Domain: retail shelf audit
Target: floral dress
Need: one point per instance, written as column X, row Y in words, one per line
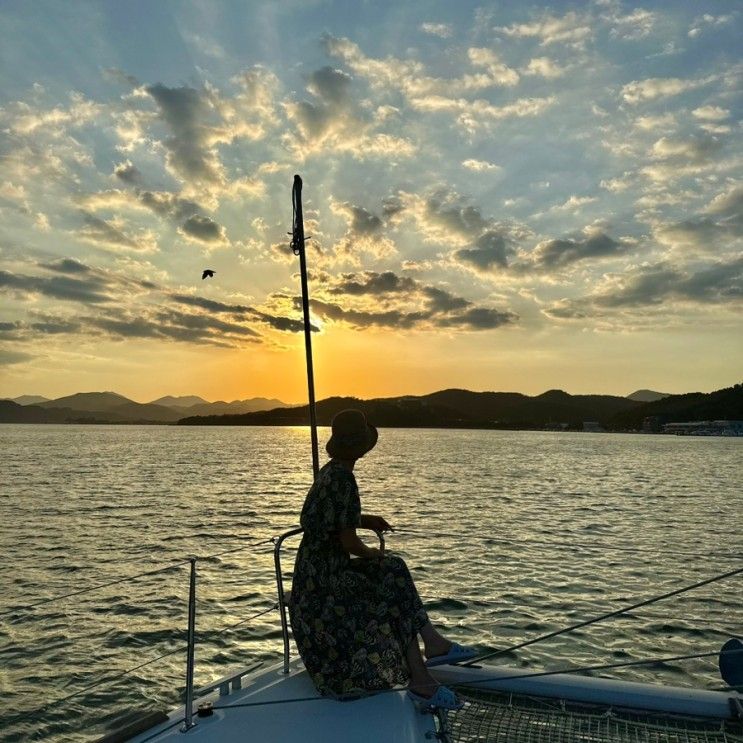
column 352, row 618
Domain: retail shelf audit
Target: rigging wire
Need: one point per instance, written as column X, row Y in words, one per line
column 122, row 674
column 537, row 674
column 143, row 574
column 608, row 615
column 567, row 545
column 108, row 679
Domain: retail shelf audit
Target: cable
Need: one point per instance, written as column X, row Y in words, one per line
column 606, row 616
column 584, row 545
column 247, row 619
column 132, row 577
column 23, row 715
column 649, row 661
column 94, row 588
column 121, row 675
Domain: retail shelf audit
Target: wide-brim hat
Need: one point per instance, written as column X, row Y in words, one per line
column 352, row 435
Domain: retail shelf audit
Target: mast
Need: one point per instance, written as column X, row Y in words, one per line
column 297, row 245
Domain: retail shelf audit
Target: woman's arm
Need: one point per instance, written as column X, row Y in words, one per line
column 378, row 523
column 354, row 546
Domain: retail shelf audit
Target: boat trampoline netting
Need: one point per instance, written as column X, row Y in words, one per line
column 493, row 717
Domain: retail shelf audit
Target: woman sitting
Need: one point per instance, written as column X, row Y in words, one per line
column 356, row 622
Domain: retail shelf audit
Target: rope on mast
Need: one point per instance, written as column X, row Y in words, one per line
column 297, row 245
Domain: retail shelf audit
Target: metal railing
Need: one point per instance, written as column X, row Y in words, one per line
column 278, row 541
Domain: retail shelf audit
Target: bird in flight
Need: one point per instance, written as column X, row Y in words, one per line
column 207, row 272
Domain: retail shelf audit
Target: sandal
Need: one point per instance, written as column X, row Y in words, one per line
column 457, row 654
column 443, row 698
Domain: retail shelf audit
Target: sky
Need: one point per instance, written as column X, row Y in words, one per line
column 500, row 196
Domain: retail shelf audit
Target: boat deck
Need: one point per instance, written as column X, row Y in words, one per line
column 268, row 705
column 263, row 710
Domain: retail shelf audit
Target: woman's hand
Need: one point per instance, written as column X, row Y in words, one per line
column 378, row 523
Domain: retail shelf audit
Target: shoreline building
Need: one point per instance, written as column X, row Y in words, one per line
column 705, row 428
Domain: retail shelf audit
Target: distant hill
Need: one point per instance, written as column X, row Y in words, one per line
column 220, row 407
column 185, row 401
column 146, row 413
column 90, row 401
column 110, row 407
column 446, row 409
column 724, row 404
column 12, row 412
column 29, row 399
column 647, row 396
column 452, row 408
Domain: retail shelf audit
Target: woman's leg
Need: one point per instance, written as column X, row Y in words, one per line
column 421, row 681
column 434, row 642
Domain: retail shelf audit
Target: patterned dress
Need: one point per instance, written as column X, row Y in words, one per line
column 352, row 618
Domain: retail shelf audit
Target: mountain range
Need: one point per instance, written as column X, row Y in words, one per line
column 452, row 408
column 110, row 407
column 555, row 409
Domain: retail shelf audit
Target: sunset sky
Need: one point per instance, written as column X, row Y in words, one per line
column 501, row 196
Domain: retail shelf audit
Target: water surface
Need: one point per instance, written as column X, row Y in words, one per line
column 509, row 535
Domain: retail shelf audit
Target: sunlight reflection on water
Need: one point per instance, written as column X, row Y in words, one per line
column 508, row 534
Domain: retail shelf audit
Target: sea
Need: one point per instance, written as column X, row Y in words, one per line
column 509, row 535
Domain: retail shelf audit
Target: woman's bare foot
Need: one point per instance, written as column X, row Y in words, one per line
column 439, row 646
column 424, row 685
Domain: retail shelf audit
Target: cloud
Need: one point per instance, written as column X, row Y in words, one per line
column 333, row 121
column 89, row 291
column 185, row 213
column 12, row 192
column 191, row 154
column 201, row 119
column 473, row 318
column 718, row 226
column 689, row 148
column 127, row 172
column 677, row 157
column 480, row 166
column 409, row 76
column 711, row 113
column 544, row 67
column 164, row 323
column 497, row 73
column 204, row 230
column 659, row 121
column 473, row 115
column 389, row 300
column 574, row 203
column 372, row 283
column 491, row 249
column 475, row 242
column 635, row 25
column 442, row 30
column 277, row 322
column 166, row 204
column 617, row 185
column 9, row 356
column 365, row 232
column 77, row 283
column 66, row 265
column 639, row 91
column 707, row 21
column 426, row 93
column 659, row 285
column 551, row 255
column 26, row 119
column 111, row 236
column 570, row 29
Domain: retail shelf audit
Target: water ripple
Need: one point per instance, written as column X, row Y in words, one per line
column 511, row 535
